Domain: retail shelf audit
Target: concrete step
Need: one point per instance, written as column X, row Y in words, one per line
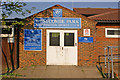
column 59, row 72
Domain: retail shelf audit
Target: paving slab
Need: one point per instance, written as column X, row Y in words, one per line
column 58, row 72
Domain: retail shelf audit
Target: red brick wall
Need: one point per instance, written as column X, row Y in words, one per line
column 28, row 58
column 102, row 42
column 86, row 55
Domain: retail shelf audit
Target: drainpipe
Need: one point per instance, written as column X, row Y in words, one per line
column 17, row 56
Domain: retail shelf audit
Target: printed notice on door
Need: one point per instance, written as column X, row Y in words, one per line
column 32, row 39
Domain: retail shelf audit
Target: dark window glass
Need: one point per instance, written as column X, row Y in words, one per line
column 54, row 39
column 118, row 32
column 68, row 39
column 110, row 32
column 113, row 32
column 5, row 30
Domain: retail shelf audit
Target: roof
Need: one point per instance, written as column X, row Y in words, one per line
column 92, row 10
column 100, row 14
column 111, row 15
column 59, row 6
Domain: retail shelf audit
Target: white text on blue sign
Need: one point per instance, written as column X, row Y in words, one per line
column 57, row 22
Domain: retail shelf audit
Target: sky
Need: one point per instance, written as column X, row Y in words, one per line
column 65, row 0
column 70, row 5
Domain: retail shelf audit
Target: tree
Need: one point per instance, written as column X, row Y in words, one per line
column 7, row 9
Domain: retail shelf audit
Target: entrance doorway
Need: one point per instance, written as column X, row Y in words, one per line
column 61, row 47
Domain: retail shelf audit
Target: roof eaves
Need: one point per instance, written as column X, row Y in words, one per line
column 103, row 14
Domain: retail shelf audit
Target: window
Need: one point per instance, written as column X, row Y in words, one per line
column 5, row 30
column 112, row 32
column 54, row 39
column 68, row 39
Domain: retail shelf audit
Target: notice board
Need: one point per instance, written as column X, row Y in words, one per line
column 32, row 39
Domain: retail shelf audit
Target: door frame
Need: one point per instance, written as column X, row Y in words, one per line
column 47, row 42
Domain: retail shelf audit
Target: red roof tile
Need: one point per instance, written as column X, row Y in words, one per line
column 92, row 10
column 111, row 15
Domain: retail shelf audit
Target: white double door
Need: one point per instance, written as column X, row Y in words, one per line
column 61, row 47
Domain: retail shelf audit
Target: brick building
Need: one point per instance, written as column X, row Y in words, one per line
column 47, row 38
column 60, row 45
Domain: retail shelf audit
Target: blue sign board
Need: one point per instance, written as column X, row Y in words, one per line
column 86, row 39
column 32, row 39
column 57, row 23
column 57, row 12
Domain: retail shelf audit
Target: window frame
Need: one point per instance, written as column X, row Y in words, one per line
column 50, row 38
column 111, row 36
column 8, row 35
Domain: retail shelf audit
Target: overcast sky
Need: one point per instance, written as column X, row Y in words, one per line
column 70, row 5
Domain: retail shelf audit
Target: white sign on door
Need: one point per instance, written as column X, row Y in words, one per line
column 86, row 32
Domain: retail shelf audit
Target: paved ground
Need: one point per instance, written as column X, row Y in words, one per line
column 58, row 72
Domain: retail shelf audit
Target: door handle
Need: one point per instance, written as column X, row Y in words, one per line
column 75, row 44
column 62, row 48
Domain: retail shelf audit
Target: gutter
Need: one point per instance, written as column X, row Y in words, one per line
column 108, row 21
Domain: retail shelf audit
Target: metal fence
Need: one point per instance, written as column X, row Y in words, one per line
column 110, row 58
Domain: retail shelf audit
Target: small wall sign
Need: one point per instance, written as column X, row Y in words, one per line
column 32, row 39
column 86, row 39
column 57, row 12
column 86, row 32
column 10, row 40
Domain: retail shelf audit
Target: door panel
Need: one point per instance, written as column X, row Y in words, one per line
column 54, row 52
column 70, row 47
